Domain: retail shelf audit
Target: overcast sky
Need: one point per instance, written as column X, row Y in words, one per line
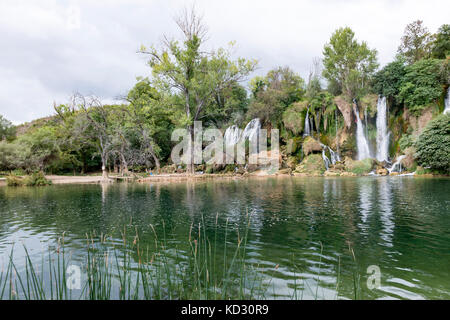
column 50, row 49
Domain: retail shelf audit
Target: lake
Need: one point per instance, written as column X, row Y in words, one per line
column 322, row 237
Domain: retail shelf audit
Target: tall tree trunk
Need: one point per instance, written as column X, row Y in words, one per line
column 191, row 165
column 104, row 170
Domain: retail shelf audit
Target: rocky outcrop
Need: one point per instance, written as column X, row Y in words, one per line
column 346, row 109
column 311, row 145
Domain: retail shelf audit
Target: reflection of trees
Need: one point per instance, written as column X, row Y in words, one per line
column 290, row 218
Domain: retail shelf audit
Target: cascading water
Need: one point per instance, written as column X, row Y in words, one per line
column 307, row 130
column 333, row 155
column 326, row 161
column 447, row 102
column 397, row 166
column 361, row 140
column 232, row 135
column 382, row 131
column 251, row 130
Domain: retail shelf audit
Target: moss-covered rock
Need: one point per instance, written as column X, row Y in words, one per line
column 359, row 167
column 311, row 165
column 311, row 145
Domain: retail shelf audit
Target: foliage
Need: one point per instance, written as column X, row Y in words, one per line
column 37, row 179
column 387, row 81
column 279, row 89
column 7, row 130
column 433, row 145
column 348, row 64
column 441, row 45
column 14, row 181
column 406, row 141
column 415, row 42
column 293, row 117
column 422, row 83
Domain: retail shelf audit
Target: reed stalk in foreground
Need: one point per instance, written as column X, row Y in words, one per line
column 131, row 272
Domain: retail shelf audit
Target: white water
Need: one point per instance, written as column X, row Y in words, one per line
column 382, row 131
column 361, row 140
column 447, row 102
column 251, row 130
column 307, row 130
column 334, row 156
column 232, row 135
column 397, row 166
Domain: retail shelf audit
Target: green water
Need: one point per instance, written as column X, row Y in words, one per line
column 302, row 230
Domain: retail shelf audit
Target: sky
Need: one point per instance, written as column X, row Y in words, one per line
column 51, row 49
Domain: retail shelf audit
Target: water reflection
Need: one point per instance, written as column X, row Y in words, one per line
column 302, row 231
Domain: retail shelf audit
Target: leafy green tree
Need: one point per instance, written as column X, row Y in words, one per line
column 441, row 45
column 148, row 114
column 348, row 64
column 388, row 80
column 433, row 145
column 422, row 83
column 193, row 73
column 7, row 130
column 415, row 42
column 279, row 89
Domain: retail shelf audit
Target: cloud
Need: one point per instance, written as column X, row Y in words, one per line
column 51, row 49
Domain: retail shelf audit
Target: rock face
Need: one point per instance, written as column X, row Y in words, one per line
column 346, row 109
column 420, row 122
column 311, row 145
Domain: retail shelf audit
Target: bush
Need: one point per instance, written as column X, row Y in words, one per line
column 433, row 145
column 406, row 141
column 37, row 179
column 14, row 181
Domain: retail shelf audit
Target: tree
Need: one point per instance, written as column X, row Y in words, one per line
column 194, row 74
column 280, row 88
column 146, row 113
column 7, row 130
column 415, row 42
column 422, row 83
column 387, row 81
column 433, row 145
column 97, row 126
column 348, row 64
column 440, row 48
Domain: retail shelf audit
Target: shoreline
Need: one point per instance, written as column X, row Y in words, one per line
column 177, row 177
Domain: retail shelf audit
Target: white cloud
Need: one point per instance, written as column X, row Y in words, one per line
column 52, row 48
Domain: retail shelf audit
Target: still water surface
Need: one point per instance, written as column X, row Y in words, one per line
column 301, row 229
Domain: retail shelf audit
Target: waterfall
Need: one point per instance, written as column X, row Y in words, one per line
column 397, row 166
column 251, row 130
column 307, row 130
column 447, row 102
column 232, row 135
column 382, row 131
column 333, row 155
column 326, row 161
column 361, row 140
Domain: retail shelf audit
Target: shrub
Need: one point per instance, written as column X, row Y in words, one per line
column 433, row 145
column 14, row 181
column 37, row 179
column 294, row 118
column 406, row 141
